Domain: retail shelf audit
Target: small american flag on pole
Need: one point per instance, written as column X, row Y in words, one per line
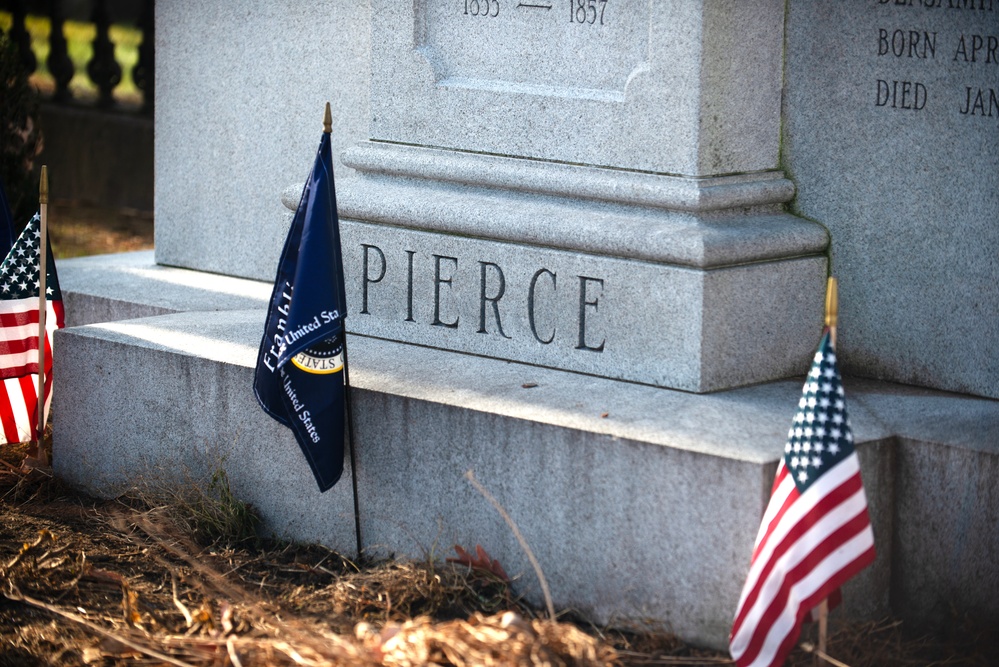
column 19, row 280
column 815, row 533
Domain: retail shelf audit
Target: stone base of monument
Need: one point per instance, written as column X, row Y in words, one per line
column 128, row 285
column 697, row 284
column 640, row 503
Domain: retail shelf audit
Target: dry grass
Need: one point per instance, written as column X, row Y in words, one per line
column 210, row 512
column 120, row 582
column 175, row 578
column 189, row 606
column 888, row 643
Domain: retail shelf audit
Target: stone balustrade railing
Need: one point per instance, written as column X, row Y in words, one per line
column 93, row 80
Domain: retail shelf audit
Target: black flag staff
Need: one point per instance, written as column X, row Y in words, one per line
column 350, row 444
column 347, row 400
column 347, row 393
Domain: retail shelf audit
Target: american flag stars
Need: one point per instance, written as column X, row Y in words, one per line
column 19, row 271
column 820, row 435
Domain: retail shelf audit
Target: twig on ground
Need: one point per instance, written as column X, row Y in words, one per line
column 13, row 468
column 121, row 639
column 470, row 476
column 635, row 659
column 808, row 647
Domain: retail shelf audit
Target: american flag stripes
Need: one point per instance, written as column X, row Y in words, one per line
column 19, row 281
column 815, row 533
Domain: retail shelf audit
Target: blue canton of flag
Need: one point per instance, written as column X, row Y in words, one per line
column 299, row 378
column 820, row 435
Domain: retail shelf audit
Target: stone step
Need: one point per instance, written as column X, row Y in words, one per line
column 127, row 285
column 640, row 503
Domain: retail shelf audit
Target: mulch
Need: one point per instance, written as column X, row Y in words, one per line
column 77, row 230
column 125, row 581
column 86, row 581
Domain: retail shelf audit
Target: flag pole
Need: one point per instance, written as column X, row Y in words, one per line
column 350, row 437
column 832, row 315
column 328, row 129
column 43, row 206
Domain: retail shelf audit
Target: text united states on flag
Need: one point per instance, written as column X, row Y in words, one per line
column 301, row 375
column 19, row 282
column 816, row 532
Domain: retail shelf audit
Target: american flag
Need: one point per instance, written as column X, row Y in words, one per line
column 816, row 532
column 19, row 282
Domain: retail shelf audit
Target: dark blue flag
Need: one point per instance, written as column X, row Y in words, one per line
column 300, row 371
column 6, row 224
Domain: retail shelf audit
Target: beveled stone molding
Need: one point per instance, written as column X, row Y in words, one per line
column 679, row 193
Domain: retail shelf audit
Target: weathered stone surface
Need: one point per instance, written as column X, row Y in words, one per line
column 130, row 285
column 890, row 135
column 240, row 90
column 589, row 468
column 677, row 193
column 946, row 540
column 680, row 88
column 657, row 324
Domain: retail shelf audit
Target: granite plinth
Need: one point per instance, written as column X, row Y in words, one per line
column 240, row 90
column 678, row 193
column 584, row 488
column 590, row 468
column 644, row 278
column 652, row 323
column 690, row 88
column 897, row 154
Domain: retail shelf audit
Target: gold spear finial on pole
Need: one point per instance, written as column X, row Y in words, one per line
column 43, row 186
column 832, row 303
column 328, row 120
column 832, row 309
column 832, row 314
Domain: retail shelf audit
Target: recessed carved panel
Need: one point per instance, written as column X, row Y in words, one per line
column 568, row 48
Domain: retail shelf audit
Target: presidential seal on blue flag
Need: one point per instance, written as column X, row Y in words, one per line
column 299, row 378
